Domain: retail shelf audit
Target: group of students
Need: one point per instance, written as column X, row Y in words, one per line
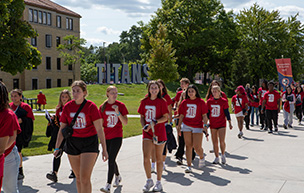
column 92, row 125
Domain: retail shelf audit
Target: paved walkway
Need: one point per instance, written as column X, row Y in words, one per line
column 259, row 163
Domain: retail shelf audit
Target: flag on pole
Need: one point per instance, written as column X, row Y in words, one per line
column 284, row 71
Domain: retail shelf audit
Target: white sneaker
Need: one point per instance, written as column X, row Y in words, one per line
column 158, row 187
column 117, row 181
column 188, row 170
column 223, row 159
column 216, row 160
column 148, row 185
column 153, row 170
column 106, row 188
column 201, row 163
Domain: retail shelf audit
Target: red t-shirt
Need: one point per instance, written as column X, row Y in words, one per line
column 262, row 91
column 111, row 123
column 152, row 110
column 254, row 96
column 193, row 111
column 176, row 99
column 217, row 118
column 83, row 126
column 8, row 124
column 299, row 97
column 24, row 106
column 168, row 99
column 237, row 106
column 41, row 99
column 59, row 112
column 272, row 100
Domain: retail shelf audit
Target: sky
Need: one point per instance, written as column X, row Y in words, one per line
column 104, row 20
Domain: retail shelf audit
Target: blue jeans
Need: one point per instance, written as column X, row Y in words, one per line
column 256, row 109
column 11, row 169
column 288, row 117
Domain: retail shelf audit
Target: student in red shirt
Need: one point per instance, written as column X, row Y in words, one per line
column 254, row 105
column 153, row 112
column 299, row 100
column 209, row 92
column 261, row 91
column 239, row 104
column 218, row 113
column 82, row 146
column 289, row 100
column 9, row 127
column 26, row 121
column 41, row 100
column 52, row 131
column 114, row 115
column 271, row 102
column 193, row 122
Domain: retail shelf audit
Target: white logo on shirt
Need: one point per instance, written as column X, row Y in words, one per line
column 216, row 109
column 80, row 121
column 263, row 92
column 150, row 113
column 271, row 98
column 237, row 102
column 112, row 118
column 191, row 112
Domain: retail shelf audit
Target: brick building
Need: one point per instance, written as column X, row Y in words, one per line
column 52, row 22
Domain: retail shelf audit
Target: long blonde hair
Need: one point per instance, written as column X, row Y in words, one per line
column 60, row 104
column 103, row 106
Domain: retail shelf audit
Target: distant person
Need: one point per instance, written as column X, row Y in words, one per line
column 261, row 91
column 209, row 92
column 271, row 104
column 26, row 121
column 41, row 100
column 82, row 146
column 52, row 131
column 153, row 112
column 289, row 99
column 114, row 116
column 239, row 104
column 247, row 117
column 218, row 113
column 299, row 102
column 193, row 122
column 254, row 105
column 9, row 158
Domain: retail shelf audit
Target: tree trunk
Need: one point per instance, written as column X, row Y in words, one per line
column 205, row 78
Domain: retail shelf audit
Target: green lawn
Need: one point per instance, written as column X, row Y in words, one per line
column 39, row 142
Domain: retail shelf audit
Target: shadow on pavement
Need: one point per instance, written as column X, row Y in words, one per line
column 64, row 187
column 118, row 189
column 236, row 169
column 253, row 139
column 25, row 189
column 233, row 156
column 284, row 133
column 176, row 177
column 207, row 177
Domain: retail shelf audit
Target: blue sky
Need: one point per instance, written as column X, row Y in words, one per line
column 104, row 20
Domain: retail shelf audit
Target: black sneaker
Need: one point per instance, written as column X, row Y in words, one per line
column 262, row 127
column 52, row 176
column 289, row 126
column 247, row 127
column 285, row 127
column 72, row 175
column 179, row 161
column 276, row 129
column 265, row 128
column 270, row 131
column 20, row 176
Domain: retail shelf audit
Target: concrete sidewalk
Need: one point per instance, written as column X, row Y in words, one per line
column 259, row 163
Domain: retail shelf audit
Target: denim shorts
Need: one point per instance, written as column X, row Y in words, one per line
column 240, row 114
column 186, row 128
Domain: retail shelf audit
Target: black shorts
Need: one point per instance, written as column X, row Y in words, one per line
column 19, row 147
column 78, row 145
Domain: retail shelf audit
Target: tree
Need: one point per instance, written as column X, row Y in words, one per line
column 162, row 61
column 16, row 53
column 88, row 72
column 195, row 28
column 71, row 51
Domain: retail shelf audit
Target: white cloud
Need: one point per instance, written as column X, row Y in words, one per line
column 108, row 31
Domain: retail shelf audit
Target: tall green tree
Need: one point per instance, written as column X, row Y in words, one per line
column 71, row 51
column 162, row 61
column 16, row 53
column 195, row 28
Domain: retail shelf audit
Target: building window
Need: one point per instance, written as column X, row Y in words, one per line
column 57, row 41
column 49, row 19
column 48, row 63
column 70, row 67
column 48, row 83
column 59, row 21
column 31, row 15
column 35, row 16
column 44, row 18
column 15, row 83
column 58, row 82
column 70, row 81
column 69, row 23
column 34, row 41
column 40, row 17
column 34, row 84
column 58, row 63
column 48, row 41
